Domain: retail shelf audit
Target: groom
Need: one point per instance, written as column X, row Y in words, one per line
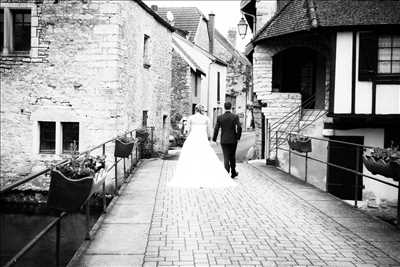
column 230, row 135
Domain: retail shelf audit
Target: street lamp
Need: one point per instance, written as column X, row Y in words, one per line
column 242, row 28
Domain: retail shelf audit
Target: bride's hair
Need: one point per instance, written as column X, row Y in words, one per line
column 199, row 108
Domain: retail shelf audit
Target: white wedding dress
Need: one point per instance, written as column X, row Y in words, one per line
column 198, row 165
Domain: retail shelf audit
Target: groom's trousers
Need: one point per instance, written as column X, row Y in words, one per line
column 229, row 151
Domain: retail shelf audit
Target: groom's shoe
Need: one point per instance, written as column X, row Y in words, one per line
column 234, row 174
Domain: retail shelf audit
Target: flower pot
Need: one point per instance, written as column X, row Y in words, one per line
column 68, row 194
column 122, row 149
column 379, row 166
column 299, row 145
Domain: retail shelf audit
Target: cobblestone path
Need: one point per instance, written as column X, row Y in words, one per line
column 262, row 222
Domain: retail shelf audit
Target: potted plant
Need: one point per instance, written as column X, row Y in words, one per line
column 145, row 143
column 299, row 143
column 123, row 146
column 74, row 182
column 384, row 162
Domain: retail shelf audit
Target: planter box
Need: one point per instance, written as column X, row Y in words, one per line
column 301, row 146
column 123, row 150
column 69, row 195
column 379, row 166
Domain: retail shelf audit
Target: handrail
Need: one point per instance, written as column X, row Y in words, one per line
column 356, row 172
column 57, row 221
column 33, row 176
column 337, row 141
column 293, row 111
column 30, row 244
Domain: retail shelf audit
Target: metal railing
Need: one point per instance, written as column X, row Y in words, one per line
column 56, row 222
column 291, row 122
column 359, row 148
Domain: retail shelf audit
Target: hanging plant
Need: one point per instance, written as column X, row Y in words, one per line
column 123, row 146
column 73, row 183
column 384, row 162
column 299, row 143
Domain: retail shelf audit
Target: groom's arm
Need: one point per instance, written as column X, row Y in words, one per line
column 238, row 128
column 216, row 129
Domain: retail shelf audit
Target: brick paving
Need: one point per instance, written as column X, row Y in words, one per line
column 270, row 219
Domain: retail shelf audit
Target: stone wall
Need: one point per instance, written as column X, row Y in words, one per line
column 181, row 90
column 89, row 69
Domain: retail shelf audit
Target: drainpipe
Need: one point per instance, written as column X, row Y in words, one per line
column 211, row 32
column 208, row 89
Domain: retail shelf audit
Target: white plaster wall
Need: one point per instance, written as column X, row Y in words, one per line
column 388, row 99
column 344, row 46
column 214, row 69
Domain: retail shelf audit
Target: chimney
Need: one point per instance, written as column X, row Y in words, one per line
column 232, row 36
column 211, row 32
column 154, row 7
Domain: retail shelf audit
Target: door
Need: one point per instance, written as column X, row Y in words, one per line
column 263, row 135
column 341, row 183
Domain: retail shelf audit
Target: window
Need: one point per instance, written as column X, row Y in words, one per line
column 146, row 44
column 144, row 118
column 389, row 54
column 70, row 136
column 164, row 120
column 47, row 143
column 21, row 30
column 379, row 56
column 218, row 87
column 15, row 30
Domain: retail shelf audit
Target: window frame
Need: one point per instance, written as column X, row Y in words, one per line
column 14, row 13
column 8, row 49
column 146, row 52
column 47, row 151
column 63, row 149
column 391, row 60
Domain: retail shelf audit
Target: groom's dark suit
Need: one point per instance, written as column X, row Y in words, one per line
column 230, row 134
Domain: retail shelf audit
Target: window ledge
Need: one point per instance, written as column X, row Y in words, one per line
column 16, row 54
column 388, row 78
column 146, row 65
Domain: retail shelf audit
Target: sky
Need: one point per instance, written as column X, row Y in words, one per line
column 227, row 14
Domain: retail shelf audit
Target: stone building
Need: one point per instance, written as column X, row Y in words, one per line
column 328, row 69
column 197, row 78
column 82, row 71
column 190, row 23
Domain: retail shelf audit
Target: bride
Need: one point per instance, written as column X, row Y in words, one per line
column 198, row 165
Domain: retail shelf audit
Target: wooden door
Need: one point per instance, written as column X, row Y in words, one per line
column 341, row 183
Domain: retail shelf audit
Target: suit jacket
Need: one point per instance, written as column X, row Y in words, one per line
column 230, row 128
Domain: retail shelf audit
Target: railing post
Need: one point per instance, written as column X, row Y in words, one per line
column 88, row 219
column 58, row 233
column 269, row 141
column 305, row 168
column 398, row 204
column 131, row 167
column 124, row 172
column 116, row 175
column 290, row 157
column 104, row 185
column 356, row 178
column 276, row 149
